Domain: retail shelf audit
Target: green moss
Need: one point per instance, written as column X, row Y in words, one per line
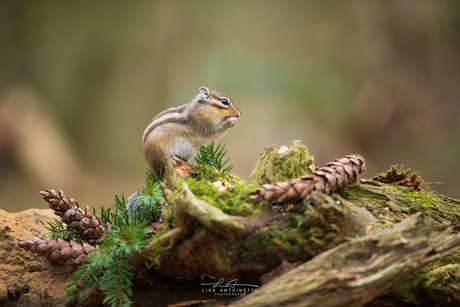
column 295, row 235
column 392, row 175
column 207, row 173
column 344, row 194
column 381, row 224
column 234, row 201
column 390, row 188
column 428, row 204
column 362, row 197
column 292, row 220
column 400, row 177
column 256, row 247
column 286, row 241
column 441, row 284
column 430, row 281
column 280, row 165
column 169, row 215
column 157, row 250
column 425, row 199
column 210, row 174
column 449, row 259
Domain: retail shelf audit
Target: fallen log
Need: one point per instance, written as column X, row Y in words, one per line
column 231, row 247
column 355, row 272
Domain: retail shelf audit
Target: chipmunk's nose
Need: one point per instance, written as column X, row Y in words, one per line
column 238, row 114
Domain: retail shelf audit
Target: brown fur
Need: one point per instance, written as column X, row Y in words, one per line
column 180, row 131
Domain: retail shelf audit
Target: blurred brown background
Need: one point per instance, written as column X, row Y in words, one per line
column 80, row 81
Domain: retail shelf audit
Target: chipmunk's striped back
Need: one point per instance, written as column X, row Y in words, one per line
column 180, row 131
column 167, row 116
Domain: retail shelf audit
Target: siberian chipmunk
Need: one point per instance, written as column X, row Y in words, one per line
column 182, row 130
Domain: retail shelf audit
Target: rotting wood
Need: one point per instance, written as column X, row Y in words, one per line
column 353, row 273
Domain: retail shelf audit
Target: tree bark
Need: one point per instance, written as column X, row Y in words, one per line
column 353, row 273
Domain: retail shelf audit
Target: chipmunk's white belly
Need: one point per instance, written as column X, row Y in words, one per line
column 183, row 149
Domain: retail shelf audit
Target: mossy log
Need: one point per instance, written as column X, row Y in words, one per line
column 237, row 247
column 394, row 204
column 355, row 272
column 217, row 244
column 360, row 245
column 436, row 284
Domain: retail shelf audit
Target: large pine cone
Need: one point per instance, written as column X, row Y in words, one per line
column 328, row 179
column 60, row 251
column 88, row 226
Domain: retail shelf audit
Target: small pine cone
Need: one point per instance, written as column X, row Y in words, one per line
column 87, row 225
column 328, row 179
column 60, row 251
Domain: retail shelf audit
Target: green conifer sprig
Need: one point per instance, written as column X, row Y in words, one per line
column 57, row 229
column 208, row 155
column 122, row 217
column 116, row 283
column 107, row 264
column 149, row 197
column 83, row 278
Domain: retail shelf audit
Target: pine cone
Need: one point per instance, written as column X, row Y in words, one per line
column 328, row 179
column 60, row 251
column 88, row 226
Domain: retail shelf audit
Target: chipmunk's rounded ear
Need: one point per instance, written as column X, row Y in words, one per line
column 206, row 92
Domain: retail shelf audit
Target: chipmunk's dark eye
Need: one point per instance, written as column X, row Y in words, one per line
column 224, row 101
